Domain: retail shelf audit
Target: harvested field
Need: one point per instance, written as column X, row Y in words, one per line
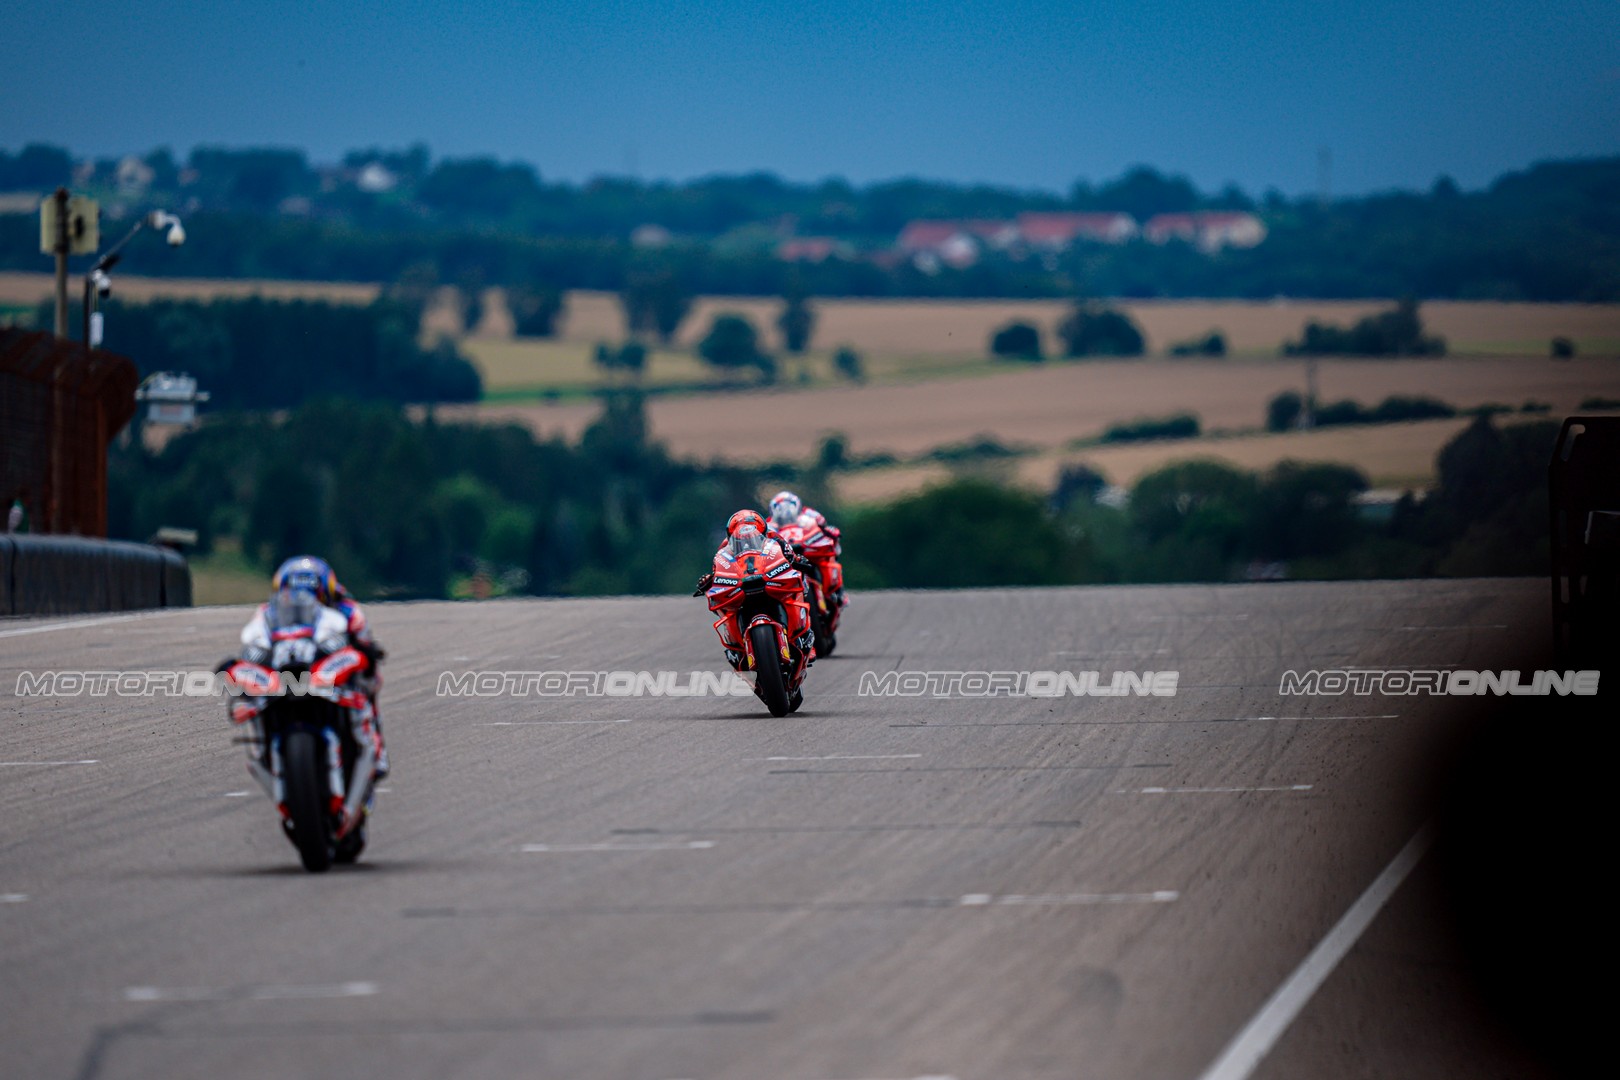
column 1397, row 456
column 1047, row 407
column 962, row 328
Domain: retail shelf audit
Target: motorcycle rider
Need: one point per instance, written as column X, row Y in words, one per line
column 305, row 592
column 747, row 531
column 788, row 509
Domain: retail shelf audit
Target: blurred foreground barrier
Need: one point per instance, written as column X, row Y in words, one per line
column 63, row 575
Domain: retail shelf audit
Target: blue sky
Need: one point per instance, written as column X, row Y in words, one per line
column 1027, row 93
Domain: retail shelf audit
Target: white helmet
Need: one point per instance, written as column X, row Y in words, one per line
column 785, row 508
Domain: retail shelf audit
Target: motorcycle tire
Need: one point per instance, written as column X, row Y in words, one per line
column 304, row 775
column 769, row 682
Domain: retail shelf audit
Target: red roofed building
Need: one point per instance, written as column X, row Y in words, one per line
column 1209, row 230
column 811, row 249
column 930, row 243
column 1056, row 231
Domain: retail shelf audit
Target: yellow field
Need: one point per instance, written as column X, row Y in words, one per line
column 1047, row 407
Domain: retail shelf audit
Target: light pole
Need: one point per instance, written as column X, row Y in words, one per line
column 96, row 281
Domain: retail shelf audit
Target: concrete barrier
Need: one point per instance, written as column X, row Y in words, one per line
column 64, row 575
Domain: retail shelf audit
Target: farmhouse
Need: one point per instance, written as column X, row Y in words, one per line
column 1208, row 230
column 1057, row 231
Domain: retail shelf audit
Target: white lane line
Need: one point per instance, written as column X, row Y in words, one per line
column 1160, row 896
column 13, row 897
column 250, row 993
column 1483, row 626
column 846, row 757
column 235, row 795
column 567, row 849
column 76, row 623
column 22, row 764
column 1358, row 716
column 1246, row 1050
column 1206, row 790
column 549, row 723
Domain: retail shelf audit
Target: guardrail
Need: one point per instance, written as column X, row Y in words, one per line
column 66, row 575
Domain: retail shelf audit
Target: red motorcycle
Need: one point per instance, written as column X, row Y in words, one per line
column 825, row 577
column 764, row 623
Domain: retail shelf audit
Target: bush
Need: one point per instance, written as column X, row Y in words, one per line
column 797, row 323
column 1016, row 341
column 965, row 533
column 1563, row 348
column 1397, row 408
column 733, row 343
column 1283, row 411
column 1180, row 426
column 1092, row 329
column 535, row 309
column 1601, row 403
column 631, row 357
column 1398, row 332
column 848, row 364
column 1213, row 344
column 981, row 448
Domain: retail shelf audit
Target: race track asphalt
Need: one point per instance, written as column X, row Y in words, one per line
column 658, row 888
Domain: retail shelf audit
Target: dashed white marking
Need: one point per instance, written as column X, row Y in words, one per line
column 1159, row 896
column 1484, row 626
column 250, row 993
column 13, row 897
column 847, row 757
column 688, row 845
column 1201, row 615
column 77, row 623
column 1359, row 716
column 1115, row 652
column 1208, row 790
column 22, row 764
column 550, row 723
column 1260, row 1034
column 384, row 790
column 235, row 795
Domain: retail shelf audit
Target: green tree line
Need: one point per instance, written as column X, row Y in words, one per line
column 1550, row 232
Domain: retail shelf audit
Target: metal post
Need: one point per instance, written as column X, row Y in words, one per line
column 1310, row 392
column 61, row 198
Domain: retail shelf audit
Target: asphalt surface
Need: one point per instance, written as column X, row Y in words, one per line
column 657, row 888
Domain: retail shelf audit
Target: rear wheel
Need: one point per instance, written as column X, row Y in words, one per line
column 768, row 679
column 826, row 640
column 303, row 775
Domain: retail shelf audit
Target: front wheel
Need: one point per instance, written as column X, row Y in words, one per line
column 304, row 777
column 769, row 682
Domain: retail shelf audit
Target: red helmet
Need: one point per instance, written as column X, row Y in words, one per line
column 745, row 517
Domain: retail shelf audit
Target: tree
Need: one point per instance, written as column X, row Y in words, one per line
column 631, row 357
column 1397, row 332
column 656, row 304
column 1093, row 329
column 797, row 323
column 1016, row 341
column 848, row 363
column 535, row 309
column 1283, row 411
column 733, row 343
